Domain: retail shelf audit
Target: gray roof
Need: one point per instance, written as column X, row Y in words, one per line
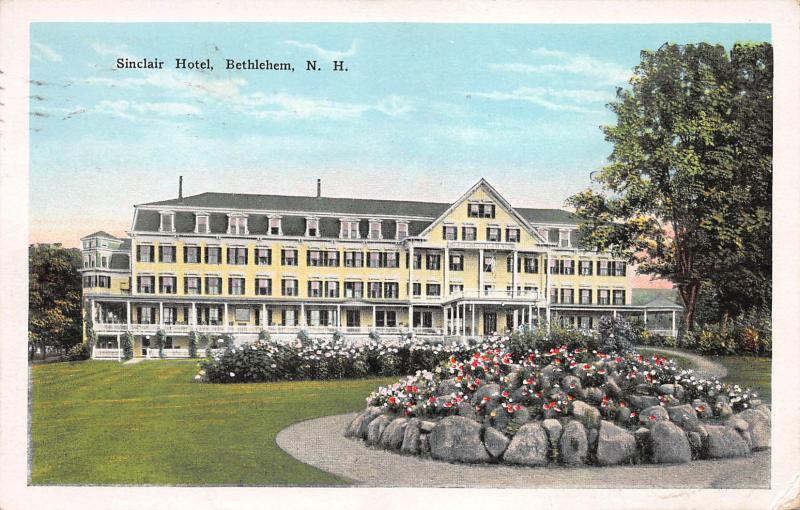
column 100, row 233
column 120, row 261
column 656, row 298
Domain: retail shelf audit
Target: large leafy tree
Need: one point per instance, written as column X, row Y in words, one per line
column 54, row 301
column 687, row 190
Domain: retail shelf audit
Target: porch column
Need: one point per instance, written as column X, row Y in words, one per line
column 302, row 314
column 225, row 318
column 264, row 321
column 119, row 348
column 530, row 316
column 410, row 273
column 455, row 318
column 480, row 273
column 338, row 316
column 674, row 329
column 547, row 289
column 446, row 262
column 373, row 316
column 516, row 319
column 614, row 313
column 514, row 275
column 410, row 318
column 91, row 311
column 645, row 318
column 161, row 313
column 128, row 315
column 473, row 312
column 194, row 314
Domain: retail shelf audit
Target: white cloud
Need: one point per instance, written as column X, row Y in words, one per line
column 43, row 53
column 551, row 99
column 324, row 53
column 144, row 111
column 287, row 106
column 119, row 50
column 571, row 63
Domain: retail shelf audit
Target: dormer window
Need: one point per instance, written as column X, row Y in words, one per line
column 312, row 227
column 402, row 230
column 375, row 229
column 167, row 222
column 237, row 224
column 275, row 226
column 564, row 238
column 349, row 229
column 201, row 223
column 479, row 210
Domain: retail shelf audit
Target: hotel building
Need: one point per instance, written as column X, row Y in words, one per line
column 237, row 264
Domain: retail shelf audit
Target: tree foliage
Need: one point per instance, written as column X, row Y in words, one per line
column 687, row 191
column 54, row 296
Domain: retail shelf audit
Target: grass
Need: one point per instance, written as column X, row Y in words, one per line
column 97, row 422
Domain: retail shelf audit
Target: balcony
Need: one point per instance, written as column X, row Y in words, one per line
column 175, row 329
column 499, row 295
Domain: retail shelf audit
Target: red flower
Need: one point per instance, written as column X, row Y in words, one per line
column 505, row 393
column 392, row 400
column 700, row 409
column 617, row 359
column 651, row 418
column 448, row 404
column 408, row 388
column 486, row 399
column 586, row 366
column 431, row 399
column 517, row 407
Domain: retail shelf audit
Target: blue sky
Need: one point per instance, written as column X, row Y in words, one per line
column 423, row 111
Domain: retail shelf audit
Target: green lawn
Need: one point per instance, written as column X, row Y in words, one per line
column 98, row 422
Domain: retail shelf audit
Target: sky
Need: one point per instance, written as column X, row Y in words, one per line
column 422, row 112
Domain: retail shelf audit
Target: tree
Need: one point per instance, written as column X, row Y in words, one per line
column 54, row 297
column 687, row 190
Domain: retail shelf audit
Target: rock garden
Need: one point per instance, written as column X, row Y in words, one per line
column 567, row 405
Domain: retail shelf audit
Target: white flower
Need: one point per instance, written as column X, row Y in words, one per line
column 274, row 365
column 233, row 375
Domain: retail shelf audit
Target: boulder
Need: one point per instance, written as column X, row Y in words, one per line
column 695, row 441
column 643, row 402
column 424, row 444
column 615, row 445
column 529, row 446
column 487, row 390
column 574, row 445
column 724, row 410
column 737, row 423
column 411, row 437
column 652, row 415
column 622, row 414
column 645, row 389
column 457, row 439
column 764, row 408
column 366, row 418
column 667, row 389
column 680, row 392
column 682, row 415
column 448, row 386
column 594, row 395
column 392, row 436
column 496, row 442
column 668, row 444
column 703, row 409
column 588, row 415
column 375, row 429
column 500, row 418
column 570, row 382
column 426, row 426
column 612, row 388
column 759, row 429
column 522, row 416
column 548, row 376
column 553, row 429
column 467, row 410
column 723, row 442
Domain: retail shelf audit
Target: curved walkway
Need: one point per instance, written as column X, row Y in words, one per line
column 321, row 443
column 705, row 367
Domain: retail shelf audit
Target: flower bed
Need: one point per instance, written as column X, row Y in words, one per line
column 570, row 404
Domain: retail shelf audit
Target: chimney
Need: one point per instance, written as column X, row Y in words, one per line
column 180, row 188
column 319, row 188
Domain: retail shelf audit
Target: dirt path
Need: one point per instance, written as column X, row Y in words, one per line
column 321, row 443
column 705, row 367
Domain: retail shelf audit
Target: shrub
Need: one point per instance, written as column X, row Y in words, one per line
column 748, row 339
column 264, row 336
column 193, row 340
column 161, row 340
column 78, row 352
column 127, row 346
column 616, row 334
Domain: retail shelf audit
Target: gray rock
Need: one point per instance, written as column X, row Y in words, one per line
column 426, row 426
column 724, row 410
column 668, row 444
column 703, row 409
column 615, row 445
column 425, row 444
column 487, row 390
column 457, row 439
column 681, row 415
column 448, row 387
column 376, row 428
column 764, row 408
column 467, row 410
column 496, row 442
column 553, row 429
column 695, row 441
column 667, row 389
column 680, row 391
column 723, row 442
column 392, row 436
column 366, row 418
column 760, row 427
column 352, row 428
column 588, row 415
column 501, row 418
column 592, row 435
column 612, row 389
column 739, row 424
column 411, row 437
column 594, row 395
column 652, row 415
column 641, row 402
column 569, row 382
column 574, row 445
column 622, row 414
column 522, row 416
column 549, row 376
column 529, row 446
column 645, row 389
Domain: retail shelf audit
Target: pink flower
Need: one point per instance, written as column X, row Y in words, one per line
column 505, row 393
column 651, row 418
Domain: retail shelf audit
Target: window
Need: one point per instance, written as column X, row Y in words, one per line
column 213, row 285
column 288, row 287
column 480, row 210
column 214, row 315
column 349, row 229
column 264, row 286
column 213, row 254
column 105, row 261
column 603, row 297
column 566, row 266
column 353, row 318
column 104, row 282
column 402, row 230
column 450, row 232
column 375, row 230
column 531, row 291
column 236, row 286
column 191, row 285
column 416, row 289
column 145, row 314
column 237, row 225
column 493, row 234
column 353, row 259
column 585, row 267
column 390, row 259
column 456, row 262
column 488, row 263
column 169, row 315
column 553, row 296
column 289, row 317
column 619, row 297
column 567, row 296
column 603, row 267
column 263, row 256
column 312, row 227
column 564, row 238
column 586, row 296
column 191, row 254
column 242, row 315
column 585, row 322
column 469, row 233
column 619, row 268
column 314, row 258
column 145, row 253
column 167, row 222
column 314, row 288
column 433, row 261
column 288, row 257
column 423, row 319
column 531, row 265
column 237, row 256
column 331, row 258
column 391, row 290
column 510, row 264
column 374, row 290
column 512, row 235
column 456, row 287
column 145, row 284
column 488, row 290
column 332, row 289
column 85, row 262
column 567, row 321
column 433, row 289
column 417, row 260
column 353, row 289
column 385, row 319
column 167, row 285
column 374, row 259
column 275, row 226
column 201, row 223
column 166, row 254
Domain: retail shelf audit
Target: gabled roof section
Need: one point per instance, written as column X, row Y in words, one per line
column 656, row 298
column 498, row 198
column 548, row 216
column 324, row 205
column 101, row 233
